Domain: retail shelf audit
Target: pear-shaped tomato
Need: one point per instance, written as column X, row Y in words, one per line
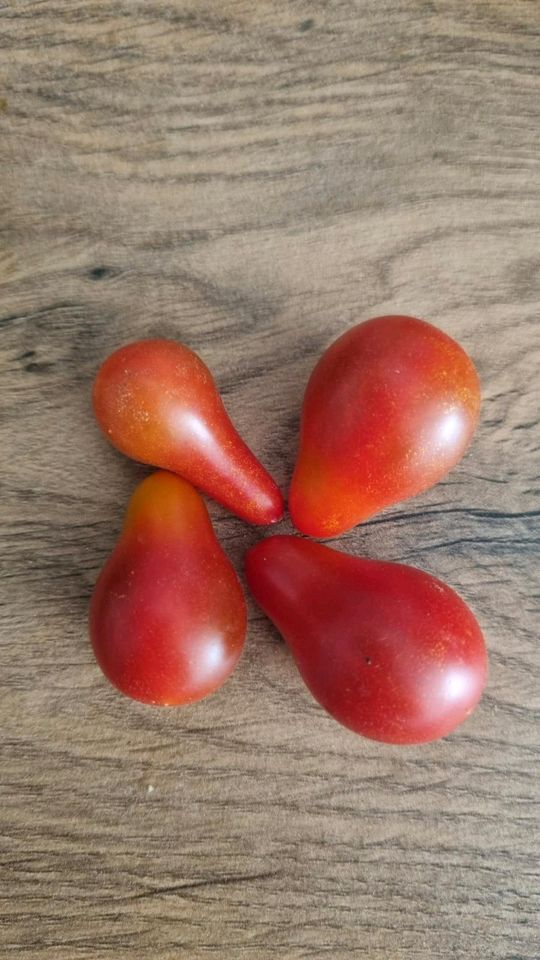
column 389, row 409
column 168, row 615
column 157, row 402
column 388, row 650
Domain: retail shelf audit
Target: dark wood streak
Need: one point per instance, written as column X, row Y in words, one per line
column 252, row 178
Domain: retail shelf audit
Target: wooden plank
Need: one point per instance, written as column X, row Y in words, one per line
column 252, row 178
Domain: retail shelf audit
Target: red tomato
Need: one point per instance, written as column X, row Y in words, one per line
column 389, row 409
column 156, row 401
column 389, row 651
column 168, row 615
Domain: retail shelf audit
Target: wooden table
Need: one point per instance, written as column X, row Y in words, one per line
column 252, row 177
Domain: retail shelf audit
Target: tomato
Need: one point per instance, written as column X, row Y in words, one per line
column 168, row 615
column 389, row 651
column 156, row 401
column 389, row 409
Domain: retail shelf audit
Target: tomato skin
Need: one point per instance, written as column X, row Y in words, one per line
column 168, row 614
column 157, row 402
column 389, row 651
column 389, row 409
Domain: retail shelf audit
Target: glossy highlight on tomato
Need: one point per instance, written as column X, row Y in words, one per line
column 388, row 650
column 168, row 614
column 389, row 409
column 157, row 402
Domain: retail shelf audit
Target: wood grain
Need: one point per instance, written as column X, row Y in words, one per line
column 252, row 178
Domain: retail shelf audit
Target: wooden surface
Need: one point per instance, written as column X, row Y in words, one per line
column 251, row 177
